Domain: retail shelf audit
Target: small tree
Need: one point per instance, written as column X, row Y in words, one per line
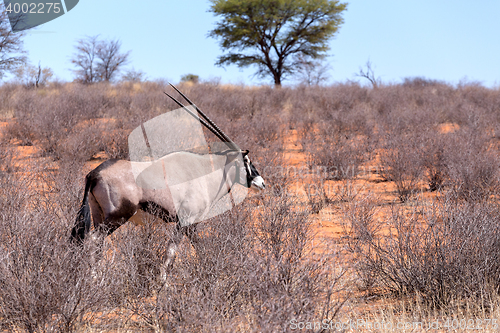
column 275, row 34
column 11, row 46
column 190, row 78
column 98, row 60
column 133, row 75
column 33, row 76
column 84, row 59
column 369, row 74
column 110, row 59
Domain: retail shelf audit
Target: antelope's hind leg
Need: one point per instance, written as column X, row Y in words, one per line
column 113, row 219
column 105, row 223
column 96, row 211
column 97, row 219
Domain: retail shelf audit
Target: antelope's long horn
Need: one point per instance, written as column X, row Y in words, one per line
column 196, row 117
column 204, row 116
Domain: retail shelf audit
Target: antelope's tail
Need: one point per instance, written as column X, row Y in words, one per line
column 82, row 224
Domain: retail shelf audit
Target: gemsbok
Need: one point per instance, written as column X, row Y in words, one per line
column 175, row 188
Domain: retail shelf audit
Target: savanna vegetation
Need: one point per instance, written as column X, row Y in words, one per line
column 408, row 172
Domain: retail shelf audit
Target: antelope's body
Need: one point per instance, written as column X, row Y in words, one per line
column 112, row 194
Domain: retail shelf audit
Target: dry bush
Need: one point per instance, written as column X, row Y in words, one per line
column 404, row 109
column 334, row 129
column 420, row 82
column 472, row 166
column 402, row 163
column 463, row 161
column 47, row 118
column 333, row 111
column 338, row 156
column 76, row 121
column 139, row 252
column 235, row 102
column 476, row 100
column 287, row 283
column 317, row 196
column 46, row 283
column 415, row 151
column 339, row 102
column 434, row 160
column 223, row 283
column 449, row 253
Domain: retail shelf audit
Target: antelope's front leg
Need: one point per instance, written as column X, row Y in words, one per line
column 173, row 245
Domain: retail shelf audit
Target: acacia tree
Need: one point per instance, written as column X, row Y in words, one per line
column 275, row 35
column 98, row 60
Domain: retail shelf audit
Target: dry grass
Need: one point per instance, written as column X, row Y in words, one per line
column 430, row 245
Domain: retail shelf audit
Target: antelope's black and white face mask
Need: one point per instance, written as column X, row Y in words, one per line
column 244, row 172
column 253, row 178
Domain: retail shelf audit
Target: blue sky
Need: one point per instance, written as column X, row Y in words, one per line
column 440, row 39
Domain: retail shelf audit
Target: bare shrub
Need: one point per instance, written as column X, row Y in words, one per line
column 217, row 270
column 321, row 194
column 448, row 254
column 46, row 284
column 44, row 120
column 317, row 196
column 369, row 75
column 339, row 151
column 338, row 104
column 285, row 276
column 361, row 229
column 347, row 191
column 420, row 82
column 434, row 160
column 62, row 121
column 266, row 131
column 139, row 253
column 472, row 166
column 276, row 169
column 403, row 109
column 339, row 156
column 402, row 164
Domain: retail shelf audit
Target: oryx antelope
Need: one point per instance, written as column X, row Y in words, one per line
column 113, row 193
